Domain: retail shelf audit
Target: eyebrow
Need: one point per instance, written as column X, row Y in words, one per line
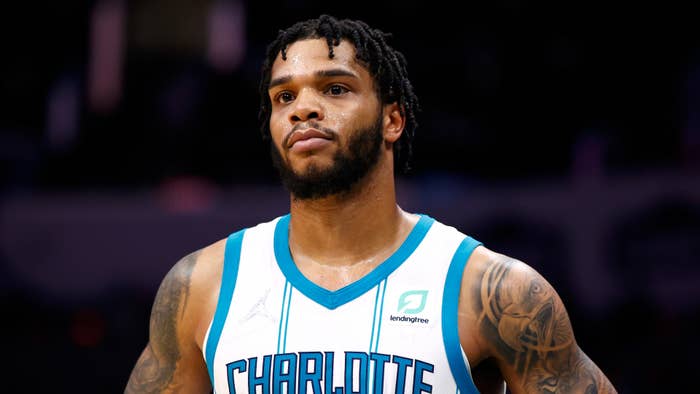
column 333, row 72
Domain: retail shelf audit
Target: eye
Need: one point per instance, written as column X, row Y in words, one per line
column 337, row 90
column 284, row 97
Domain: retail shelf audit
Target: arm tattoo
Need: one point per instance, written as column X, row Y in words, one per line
column 154, row 369
column 523, row 317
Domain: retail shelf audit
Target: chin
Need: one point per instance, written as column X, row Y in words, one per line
column 311, row 165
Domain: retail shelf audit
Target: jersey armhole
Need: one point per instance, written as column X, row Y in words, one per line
column 457, row 359
column 232, row 255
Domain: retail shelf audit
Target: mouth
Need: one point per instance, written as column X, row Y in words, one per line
column 309, row 136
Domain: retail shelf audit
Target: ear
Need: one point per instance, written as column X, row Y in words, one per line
column 393, row 122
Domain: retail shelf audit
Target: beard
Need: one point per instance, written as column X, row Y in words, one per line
column 348, row 166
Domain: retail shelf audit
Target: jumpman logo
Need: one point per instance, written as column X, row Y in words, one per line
column 260, row 308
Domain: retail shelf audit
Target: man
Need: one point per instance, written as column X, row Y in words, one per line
column 349, row 293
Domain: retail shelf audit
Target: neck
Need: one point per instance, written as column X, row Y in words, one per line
column 361, row 226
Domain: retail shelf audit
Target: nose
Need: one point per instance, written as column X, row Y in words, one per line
column 307, row 105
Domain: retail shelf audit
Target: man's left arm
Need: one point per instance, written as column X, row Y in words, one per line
column 523, row 322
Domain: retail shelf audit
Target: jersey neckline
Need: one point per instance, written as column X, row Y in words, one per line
column 333, row 299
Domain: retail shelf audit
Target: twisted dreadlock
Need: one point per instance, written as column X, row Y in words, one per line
column 386, row 65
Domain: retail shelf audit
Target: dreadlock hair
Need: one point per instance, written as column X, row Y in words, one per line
column 386, row 65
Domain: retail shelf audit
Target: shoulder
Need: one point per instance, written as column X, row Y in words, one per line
column 192, row 287
column 205, row 264
column 489, row 268
column 488, row 271
column 197, row 267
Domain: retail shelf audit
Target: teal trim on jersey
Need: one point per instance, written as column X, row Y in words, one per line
column 374, row 318
column 284, row 310
column 450, row 301
column 381, row 312
column 334, row 299
column 377, row 318
column 232, row 258
column 286, row 319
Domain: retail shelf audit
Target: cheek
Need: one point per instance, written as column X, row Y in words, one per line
column 349, row 118
column 337, row 120
column 277, row 127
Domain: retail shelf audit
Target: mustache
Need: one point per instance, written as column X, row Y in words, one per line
column 308, row 125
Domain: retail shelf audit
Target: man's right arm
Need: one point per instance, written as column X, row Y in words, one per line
column 171, row 362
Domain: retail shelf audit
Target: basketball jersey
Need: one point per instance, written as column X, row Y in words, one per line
column 392, row 331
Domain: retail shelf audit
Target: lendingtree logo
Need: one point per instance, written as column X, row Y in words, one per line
column 412, row 302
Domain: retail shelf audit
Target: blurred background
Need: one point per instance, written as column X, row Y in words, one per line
column 565, row 134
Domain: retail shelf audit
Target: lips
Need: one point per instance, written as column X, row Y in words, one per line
column 304, row 135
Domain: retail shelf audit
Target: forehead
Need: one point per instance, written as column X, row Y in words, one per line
column 310, row 55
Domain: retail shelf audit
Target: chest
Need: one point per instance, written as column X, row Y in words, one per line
column 388, row 330
column 389, row 334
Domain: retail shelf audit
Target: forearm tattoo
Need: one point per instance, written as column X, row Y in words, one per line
column 527, row 323
column 154, row 369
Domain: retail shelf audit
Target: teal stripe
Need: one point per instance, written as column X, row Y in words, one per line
column 450, row 302
column 232, row 256
column 374, row 317
column 286, row 320
column 381, row 311
column 371, row 340
column 279, row 333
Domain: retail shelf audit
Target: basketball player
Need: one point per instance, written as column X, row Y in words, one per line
column 348, row 293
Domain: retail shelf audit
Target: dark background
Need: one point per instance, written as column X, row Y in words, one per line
column 565, row 134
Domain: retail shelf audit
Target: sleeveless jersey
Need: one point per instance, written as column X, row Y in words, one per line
column 392, row 331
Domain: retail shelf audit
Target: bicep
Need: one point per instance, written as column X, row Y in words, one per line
column 171, row 362
column 527, row 329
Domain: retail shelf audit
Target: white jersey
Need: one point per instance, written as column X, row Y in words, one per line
column 392, row 331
